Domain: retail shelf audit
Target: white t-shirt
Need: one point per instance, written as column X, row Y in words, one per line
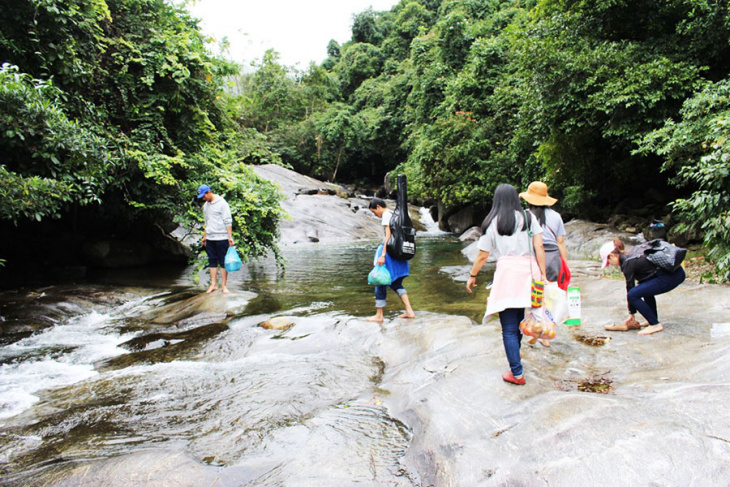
column 385, row 220
column 217, row 218
column 518, row 243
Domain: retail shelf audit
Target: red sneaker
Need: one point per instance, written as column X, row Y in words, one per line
column 508, row 377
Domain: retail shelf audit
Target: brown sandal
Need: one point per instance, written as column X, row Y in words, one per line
column 622, row 326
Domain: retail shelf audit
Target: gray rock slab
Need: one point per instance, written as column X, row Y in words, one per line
column 319, row 217
column 662, row 423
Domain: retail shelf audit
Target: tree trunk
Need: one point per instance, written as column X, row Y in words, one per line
column 337, row 166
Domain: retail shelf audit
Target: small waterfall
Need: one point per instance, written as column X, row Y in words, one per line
column 432, row 227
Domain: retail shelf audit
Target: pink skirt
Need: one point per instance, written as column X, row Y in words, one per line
column 511, row 285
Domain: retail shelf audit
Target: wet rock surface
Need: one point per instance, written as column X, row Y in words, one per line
column 336, row 400
column 658, row 414
column 28, row 310
column 170, row 386
column 278, row 323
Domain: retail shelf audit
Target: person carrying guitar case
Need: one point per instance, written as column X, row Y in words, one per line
column 397, row 248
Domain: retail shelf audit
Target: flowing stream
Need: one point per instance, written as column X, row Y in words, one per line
column 110, row 381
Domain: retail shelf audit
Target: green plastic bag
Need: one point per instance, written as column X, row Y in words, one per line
column 379, row 276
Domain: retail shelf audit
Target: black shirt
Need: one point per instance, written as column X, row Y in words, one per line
column 636, row 269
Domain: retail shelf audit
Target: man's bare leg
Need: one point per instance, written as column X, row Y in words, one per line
column 213, row 280
column 378, row 317
column 224, row 280
column 409, row 311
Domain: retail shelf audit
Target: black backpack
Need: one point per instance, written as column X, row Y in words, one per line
column 402, row 243
column 662, row 254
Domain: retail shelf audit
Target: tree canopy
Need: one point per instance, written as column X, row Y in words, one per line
column 117, row 110
column 601, row 100
column 116, row 106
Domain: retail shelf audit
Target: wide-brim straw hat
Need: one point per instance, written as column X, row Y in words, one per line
column 537, row 195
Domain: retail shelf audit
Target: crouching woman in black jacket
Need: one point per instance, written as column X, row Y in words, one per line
column 644, row 281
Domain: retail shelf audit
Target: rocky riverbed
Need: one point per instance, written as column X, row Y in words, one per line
column 141, row 380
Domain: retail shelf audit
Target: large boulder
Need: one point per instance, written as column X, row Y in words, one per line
column 474, row 233
column 682, row 237
column 461, row 220
column 320, row 212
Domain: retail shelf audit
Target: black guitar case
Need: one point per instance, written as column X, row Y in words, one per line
column 402, row 243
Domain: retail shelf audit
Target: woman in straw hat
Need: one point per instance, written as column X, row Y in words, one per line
column 553, row 236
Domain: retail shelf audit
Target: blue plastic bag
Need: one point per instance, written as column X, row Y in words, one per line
column 233, row 261
column 379, row 276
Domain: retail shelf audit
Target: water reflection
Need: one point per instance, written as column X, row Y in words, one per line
column 337, row 275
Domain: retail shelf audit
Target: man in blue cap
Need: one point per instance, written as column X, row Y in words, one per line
column 217, row 235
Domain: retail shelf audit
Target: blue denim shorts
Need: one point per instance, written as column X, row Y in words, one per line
column 381, row 291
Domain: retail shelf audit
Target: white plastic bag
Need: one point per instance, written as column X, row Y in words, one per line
column 556, row 303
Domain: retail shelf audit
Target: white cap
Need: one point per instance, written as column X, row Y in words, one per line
column 606, row 250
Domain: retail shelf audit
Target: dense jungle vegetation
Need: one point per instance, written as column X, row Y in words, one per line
column 111, row 112
column 614, row 104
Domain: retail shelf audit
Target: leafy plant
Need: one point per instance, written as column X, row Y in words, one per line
column 697, row 150
column 49, row 161
column 116, row 109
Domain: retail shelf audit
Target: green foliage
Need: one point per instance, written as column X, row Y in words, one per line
column 412, row 20
column 365, row 28
column 463, row 95
column 48, row 160
column 333, row 49
column 359, row 62
column 117, row 106
column 589, row 91
column 339, row 129
column 271, row 96
column 454, row 39
column 449, row 156
column 697, row 150
column 282, row 103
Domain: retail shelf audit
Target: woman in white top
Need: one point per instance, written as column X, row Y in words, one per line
column 508, row 231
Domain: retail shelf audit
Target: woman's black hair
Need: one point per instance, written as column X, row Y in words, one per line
column 375, row 202
column 539, row 212
column 504, row 205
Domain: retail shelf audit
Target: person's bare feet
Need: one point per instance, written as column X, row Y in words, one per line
column 225, row 290
column 212, row 288
column 651, row 329
column 376, row 318
column 407, row 315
